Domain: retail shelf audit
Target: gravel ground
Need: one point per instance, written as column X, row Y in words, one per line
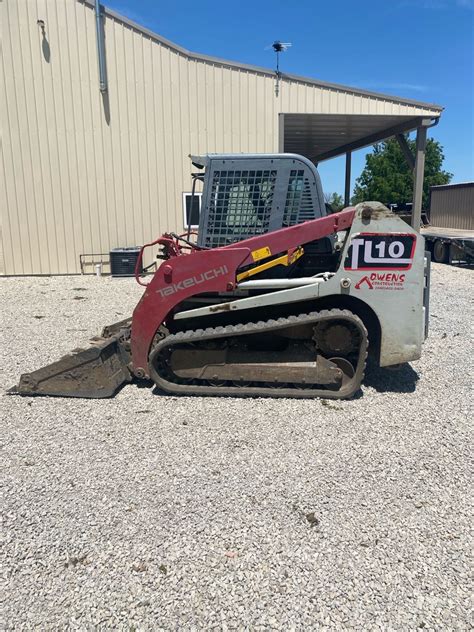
column 152, row 512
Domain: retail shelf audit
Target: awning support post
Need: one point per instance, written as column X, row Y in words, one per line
column 402, row 141
column 418, row 174
column 347, row 188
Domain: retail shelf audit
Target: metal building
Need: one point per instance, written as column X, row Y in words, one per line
column 93, row 163
column 452, row 206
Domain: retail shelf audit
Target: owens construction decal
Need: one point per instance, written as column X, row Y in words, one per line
column 379, row 251
column 192, row 281
column 381, row 281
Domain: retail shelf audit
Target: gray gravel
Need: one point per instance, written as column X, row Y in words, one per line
column 151, row 512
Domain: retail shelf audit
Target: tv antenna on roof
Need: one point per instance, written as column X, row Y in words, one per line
column 279, row 47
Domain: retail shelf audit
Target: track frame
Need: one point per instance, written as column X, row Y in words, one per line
column 347, row 390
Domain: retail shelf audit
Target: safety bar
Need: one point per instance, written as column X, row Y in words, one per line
column 138, row 265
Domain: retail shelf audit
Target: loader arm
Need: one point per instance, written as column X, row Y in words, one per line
column 185, row 275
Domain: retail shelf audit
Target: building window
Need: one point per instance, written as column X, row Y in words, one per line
column 191, row 216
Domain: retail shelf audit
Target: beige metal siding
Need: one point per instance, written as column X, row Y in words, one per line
column 2, row 263
column 82, row 173
column 453, row 206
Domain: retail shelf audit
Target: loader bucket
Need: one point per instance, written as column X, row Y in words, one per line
column 95, row 372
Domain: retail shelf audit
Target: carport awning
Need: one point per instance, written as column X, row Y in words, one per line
column 323, row 136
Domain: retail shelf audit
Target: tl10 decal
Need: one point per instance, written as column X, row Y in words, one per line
column 370, row 251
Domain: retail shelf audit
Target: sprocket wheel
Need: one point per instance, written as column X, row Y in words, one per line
column 336, row 338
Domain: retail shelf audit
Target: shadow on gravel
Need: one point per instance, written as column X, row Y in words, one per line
column 402, row 380
column 145, row 384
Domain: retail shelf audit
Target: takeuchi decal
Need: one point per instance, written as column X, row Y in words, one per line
column 192, row 281
column 381, row 281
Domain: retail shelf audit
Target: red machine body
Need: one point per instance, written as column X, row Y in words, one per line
column 185, row 274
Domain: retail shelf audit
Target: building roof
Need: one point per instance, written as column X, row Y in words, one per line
column 259, row 69
column 324, row 136
column 454, row 185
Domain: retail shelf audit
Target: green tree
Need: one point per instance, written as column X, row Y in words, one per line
column 387, row 177
column 335, row 201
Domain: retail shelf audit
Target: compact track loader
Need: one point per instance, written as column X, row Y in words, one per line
column 274, row 297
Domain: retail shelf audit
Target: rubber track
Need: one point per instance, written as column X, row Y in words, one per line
column 210, row 333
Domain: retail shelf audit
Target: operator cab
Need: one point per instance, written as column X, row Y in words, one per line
column 245, row 195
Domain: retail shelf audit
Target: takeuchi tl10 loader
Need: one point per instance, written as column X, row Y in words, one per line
column 273, row 297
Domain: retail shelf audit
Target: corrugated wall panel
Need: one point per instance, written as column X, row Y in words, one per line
column 84, row 172
column 453, row 207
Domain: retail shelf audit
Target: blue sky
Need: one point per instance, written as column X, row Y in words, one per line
column 419, row 49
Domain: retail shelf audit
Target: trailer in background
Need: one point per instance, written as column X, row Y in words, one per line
column 450, row 232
